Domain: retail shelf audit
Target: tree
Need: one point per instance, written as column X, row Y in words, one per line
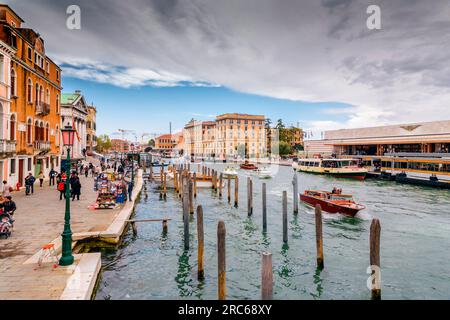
column 284, row 148
column 280, row 124
column 103, row 143
column 151, row 143
column 267, row 123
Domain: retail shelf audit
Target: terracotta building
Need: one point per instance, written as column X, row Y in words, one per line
column 165, row 142
column 119, row 145
column 91, row 127
column 34, row 120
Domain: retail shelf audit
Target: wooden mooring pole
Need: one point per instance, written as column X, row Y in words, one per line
column 186, row 213
column 229, row 188
column 200, row 235
column 295, row 190
column 249, row 196
column 375, row 230
column 285, row 227
column 266, row 277
column 220, row 184
column 195, row 184
column 221, row 263
column 191, row 196
column 319, row 237
column 165, row 186
column 236, row 191
column 264, row 207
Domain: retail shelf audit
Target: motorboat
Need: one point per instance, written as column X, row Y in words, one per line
column 230, row 171
column 332, row 202
column 248, row 166
column 263, row 173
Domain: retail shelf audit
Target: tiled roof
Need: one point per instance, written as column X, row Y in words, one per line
column 69, row 98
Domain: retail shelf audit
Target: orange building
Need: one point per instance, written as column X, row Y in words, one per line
column 34, row 119
column 119, row 145
column 165, row 142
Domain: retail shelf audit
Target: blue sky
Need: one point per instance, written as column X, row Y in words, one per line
column 150, row 109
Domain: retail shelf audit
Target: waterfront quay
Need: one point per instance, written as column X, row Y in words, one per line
column 39, row 220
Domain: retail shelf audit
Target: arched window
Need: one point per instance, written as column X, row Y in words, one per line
column 37, row 94
column 57, row 103
column 46, row 133
column 13, row 82
column 57, row 136
column 37, row 136
column 29, row 131
column 12, row 128
column 30, row 91
column 47, row 97
column 41, row 95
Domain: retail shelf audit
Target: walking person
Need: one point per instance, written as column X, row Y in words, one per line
column 41, row 178
column 29, row 184
column 75, row 185
column 62, row 189
column 7, row 189
column 52, row 175
column 130, row 189
column 86, row 171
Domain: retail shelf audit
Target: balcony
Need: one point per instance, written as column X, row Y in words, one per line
column 41, row 145
column 42, row 108
column 7, row 148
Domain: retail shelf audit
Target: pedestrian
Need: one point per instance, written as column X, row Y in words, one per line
column 9, row 206
column 130, row 189
column 7, row 189
column 41, row 178
column 75, row 185
column 29, row 184
column 52, row 175
column 91, row 168
column 61, row 189
column 86, row 171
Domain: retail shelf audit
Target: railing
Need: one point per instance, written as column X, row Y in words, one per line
column 42, row 108
column 42, row 145
column 7, row 146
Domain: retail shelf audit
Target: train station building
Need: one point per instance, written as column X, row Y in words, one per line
column 426, row 138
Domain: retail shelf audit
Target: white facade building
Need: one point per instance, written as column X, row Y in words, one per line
column 74, row 112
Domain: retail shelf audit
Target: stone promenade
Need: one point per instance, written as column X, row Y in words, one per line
column 39, row 220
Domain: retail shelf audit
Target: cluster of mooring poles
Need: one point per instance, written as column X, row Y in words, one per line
column 185, row 186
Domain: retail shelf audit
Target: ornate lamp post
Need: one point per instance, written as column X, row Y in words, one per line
column 68, row 135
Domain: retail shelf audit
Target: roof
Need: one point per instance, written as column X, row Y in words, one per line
column 165, row 136
column 69, row 98
column 12, row 11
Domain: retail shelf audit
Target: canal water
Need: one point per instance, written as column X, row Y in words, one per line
column 415, row 242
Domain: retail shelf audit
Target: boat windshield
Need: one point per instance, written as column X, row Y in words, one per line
column 341, row 197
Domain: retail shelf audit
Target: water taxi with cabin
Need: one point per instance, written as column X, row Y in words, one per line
column 342, row 168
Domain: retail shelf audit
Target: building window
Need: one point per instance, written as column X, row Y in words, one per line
column 57, row 103
column 29, row 164
column 12, row 127
column 36, row 97
column 48, row 97
column 13, row 82
column 29, row 131
column 30, row 91
column 57, row 136
column 47, row 67
column 57, row 74
column 13, row 166
column 30, row 56
column 2, row 67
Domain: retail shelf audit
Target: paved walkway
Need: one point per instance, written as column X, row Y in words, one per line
column 39, row 220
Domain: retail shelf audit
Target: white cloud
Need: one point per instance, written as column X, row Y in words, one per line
column 296, row 50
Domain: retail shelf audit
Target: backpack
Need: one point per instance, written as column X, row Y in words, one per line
column 61, row 186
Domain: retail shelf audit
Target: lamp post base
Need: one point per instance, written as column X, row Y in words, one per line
column 66, row 260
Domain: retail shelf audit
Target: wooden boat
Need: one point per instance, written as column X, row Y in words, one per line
column 248, row 166
column 342, row 168
column 332, row 202
column 263, row 173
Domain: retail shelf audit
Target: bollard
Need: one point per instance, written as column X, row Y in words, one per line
column 375, row 266
column 285, row 229
column 200, row 235
column 221, row 263
column 266, row 277
column 165, row 186
column 319, row 239
column 186, row 214
column 295, row 190
column 264, row 207
column 236, row 191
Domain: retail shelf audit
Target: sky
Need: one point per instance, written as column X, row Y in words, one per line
column 145, row 63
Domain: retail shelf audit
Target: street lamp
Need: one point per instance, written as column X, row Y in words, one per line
column 132, row 162
column 68, row 135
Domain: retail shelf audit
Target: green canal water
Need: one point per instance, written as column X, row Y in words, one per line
column 415, row 242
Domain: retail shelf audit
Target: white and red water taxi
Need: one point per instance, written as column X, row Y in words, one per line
column 332, row 202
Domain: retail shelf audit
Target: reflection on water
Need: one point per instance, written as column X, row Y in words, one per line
column 415, row 228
